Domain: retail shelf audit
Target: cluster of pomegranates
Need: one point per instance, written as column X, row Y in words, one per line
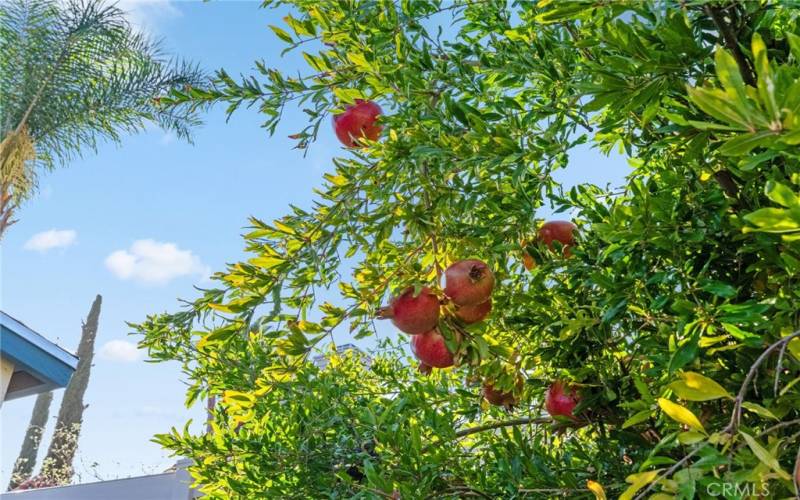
column 468, row 284
column 468, row 289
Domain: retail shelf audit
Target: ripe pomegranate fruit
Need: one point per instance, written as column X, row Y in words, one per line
column 473, row 314
column 560, row 400
column 497, row 397
column 358, row 121
column 412, row 314
column 562, row 231
column 424, row 369
column 431, row 349
column 468, row 282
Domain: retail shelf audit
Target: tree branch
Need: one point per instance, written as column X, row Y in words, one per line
column 669, row 472
column 731, row 42
column 494, row 425
column 504, row 423
column 737, row 406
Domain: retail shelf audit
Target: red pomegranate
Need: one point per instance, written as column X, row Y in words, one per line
column 560, row 400
column 562, row 231
column 413, row 314
column 424, row 369
column 357, row 121
column 473, row 314
column 431, row 349
column 497, row 397
column 468, row 282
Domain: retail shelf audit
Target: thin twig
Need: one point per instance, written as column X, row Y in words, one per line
column 779, row 368
column 796, row 474
column 494, row 425
column 505, row 423
column 669, row 472
column 737, row 406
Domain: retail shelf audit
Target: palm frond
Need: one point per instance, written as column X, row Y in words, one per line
column 75, row 73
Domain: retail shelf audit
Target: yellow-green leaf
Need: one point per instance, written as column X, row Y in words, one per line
column 759, row 410
column 220, row 307
column 696, row 387
column 359, row 60
column 691, row 437
column 765, row 457
column 637, row 418
column 637, row 482
column 680, row 414
column 283, row 227
column 239, row 399
column 597, row 489
column 283, row 35
column 266, row 262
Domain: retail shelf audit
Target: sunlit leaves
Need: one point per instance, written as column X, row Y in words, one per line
column 696, row 387
column 656, row 316
column 680, row 414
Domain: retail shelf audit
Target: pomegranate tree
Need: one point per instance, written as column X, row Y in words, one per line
column 468, row 282
column 358, row 121
column 561, row 399
column 431, row 349
column 413, row 314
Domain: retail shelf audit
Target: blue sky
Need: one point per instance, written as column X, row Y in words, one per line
column 143, row 222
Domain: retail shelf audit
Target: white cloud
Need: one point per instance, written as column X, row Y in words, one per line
column 120, row 350
column 146, row 15
column 155, row 263
column 54, row 238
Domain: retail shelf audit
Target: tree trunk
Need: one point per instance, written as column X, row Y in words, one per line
column 26, row 460
column 57, row 465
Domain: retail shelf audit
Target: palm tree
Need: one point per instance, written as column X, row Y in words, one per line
column 73, row 73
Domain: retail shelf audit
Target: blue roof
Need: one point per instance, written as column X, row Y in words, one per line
column 39, row 364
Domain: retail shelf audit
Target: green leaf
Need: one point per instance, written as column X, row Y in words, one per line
column 680, row 414
column 743, row 144
column 728, row 73
column 691, row 437
column 348, row 96
column 283, row 35
column 794, row 44
column 766, row 82
column 266, row 262
column 685, row 354
column 781, row 194
column 637, row 418
column 759, row 410
column 715, row 103
column 765, row 456
column 774, row 220
column 359, row 60
column 719, row 289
